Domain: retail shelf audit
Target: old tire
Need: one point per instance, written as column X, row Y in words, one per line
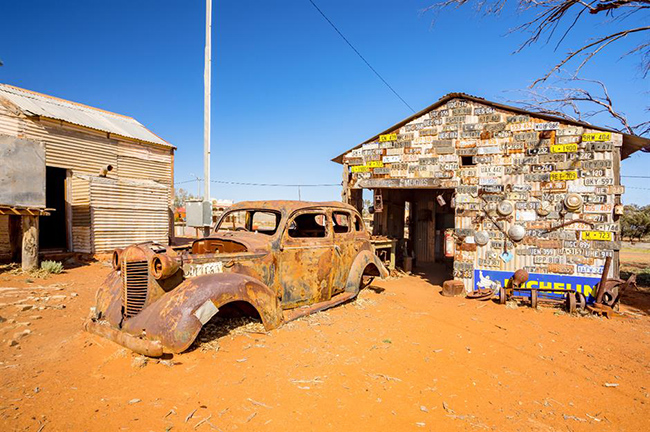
column 533, row 299
column 581, row 301
column 502, row 295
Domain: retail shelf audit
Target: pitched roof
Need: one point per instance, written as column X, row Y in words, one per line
column 631, row 143
column 37, row 104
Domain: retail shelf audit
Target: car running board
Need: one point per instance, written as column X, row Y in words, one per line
column 292, row 314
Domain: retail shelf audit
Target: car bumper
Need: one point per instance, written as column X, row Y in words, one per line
column 150, row 348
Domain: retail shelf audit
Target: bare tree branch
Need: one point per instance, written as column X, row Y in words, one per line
column 576, row 101
column 550, row 15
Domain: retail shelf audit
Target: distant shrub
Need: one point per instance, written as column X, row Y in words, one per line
column 54, row 267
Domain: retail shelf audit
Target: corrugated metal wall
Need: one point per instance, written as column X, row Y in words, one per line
column 106, row 213
column 125, row 212
column 80, row 204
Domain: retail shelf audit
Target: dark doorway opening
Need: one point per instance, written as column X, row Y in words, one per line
column 52, row 229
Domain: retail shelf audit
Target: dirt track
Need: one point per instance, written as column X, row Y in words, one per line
column 404, row 358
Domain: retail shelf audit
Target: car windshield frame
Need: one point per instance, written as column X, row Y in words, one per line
column 249, row 221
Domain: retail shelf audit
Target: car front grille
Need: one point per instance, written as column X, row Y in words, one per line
column 135, row 283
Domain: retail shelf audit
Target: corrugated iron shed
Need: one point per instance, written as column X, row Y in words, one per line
column 36, row 104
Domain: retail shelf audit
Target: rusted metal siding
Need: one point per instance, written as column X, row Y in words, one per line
column 126, row 212
column 135, row 210
column 81, row 222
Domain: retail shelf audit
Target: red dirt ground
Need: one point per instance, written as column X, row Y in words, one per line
column 404, row 358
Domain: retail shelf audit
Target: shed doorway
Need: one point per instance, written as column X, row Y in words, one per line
column 53, row 231
column 417, row 219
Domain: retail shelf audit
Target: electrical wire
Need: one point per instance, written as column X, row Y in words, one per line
column 360, row 56
column 263, row 184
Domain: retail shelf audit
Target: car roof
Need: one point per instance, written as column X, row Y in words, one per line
column 289, row 206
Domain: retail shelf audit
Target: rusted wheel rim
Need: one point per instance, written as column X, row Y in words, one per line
column 581, row 301
column 502, row 295
column 480, row 294
column 571, row 303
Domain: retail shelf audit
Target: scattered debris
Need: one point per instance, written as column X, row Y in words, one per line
column 207, row 419
column 386, row 377
column 139, row 362
column 423, row 409
column 135, row 401
column 511, row 304
column 251, row 417
column 611, row 384
column 254, row 402
column 572, row 417
column 190, row 415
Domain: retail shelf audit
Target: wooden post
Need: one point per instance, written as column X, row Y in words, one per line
column 15, row 237
column 30, row 242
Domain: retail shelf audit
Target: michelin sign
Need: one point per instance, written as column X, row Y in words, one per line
column 492, row 278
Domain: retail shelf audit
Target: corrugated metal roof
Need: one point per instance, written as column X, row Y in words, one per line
column 631, row 143
column 37, row 104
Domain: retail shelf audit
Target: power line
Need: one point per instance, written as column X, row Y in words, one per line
column 642, row 177
column 263, row 184
column 360, row 56
column 277, row 184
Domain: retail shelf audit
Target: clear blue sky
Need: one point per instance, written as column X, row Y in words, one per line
column 288, row 94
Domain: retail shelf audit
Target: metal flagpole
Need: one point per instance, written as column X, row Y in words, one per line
column 207, row 79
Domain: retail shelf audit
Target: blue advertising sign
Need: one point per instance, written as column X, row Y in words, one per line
column 585, row 285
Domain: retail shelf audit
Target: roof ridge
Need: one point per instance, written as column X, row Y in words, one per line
column 55, row 98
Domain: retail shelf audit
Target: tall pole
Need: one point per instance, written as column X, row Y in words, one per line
column 207, row 80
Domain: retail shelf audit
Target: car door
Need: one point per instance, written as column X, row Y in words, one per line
column 306, row 258
column 346, row 248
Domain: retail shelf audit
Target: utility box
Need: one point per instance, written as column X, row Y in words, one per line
column 199, row 213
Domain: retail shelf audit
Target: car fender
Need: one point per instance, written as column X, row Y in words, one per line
column 363, row 259
column 176, row 318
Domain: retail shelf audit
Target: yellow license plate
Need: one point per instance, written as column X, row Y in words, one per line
column 591, row 137
column 375, row 164
column 564, row 148
column 597, row 235
column 387, row 137
column 564, row 175
column 360, row 169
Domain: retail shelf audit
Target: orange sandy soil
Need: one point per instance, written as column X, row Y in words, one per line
column 401, row 357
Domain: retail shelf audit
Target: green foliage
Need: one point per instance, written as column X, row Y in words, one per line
column 54, row 267
column 635, row 222
column 180, row 196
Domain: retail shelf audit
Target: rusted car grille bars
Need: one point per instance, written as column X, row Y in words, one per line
column 135, row 284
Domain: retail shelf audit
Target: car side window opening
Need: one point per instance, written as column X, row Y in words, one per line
column 358, row 224
column 341, row 222
column 308, row 225
column 262, row 222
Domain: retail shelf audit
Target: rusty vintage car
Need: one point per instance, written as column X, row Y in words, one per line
column 278, row 259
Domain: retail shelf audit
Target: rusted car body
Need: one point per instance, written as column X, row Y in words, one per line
column 280, row 259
